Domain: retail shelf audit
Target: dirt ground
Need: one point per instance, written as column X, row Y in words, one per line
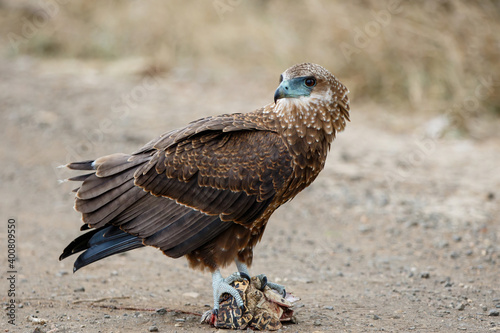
column 400, row 232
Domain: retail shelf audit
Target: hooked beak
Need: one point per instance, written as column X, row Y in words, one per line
column 292, row 88
column 281, row 92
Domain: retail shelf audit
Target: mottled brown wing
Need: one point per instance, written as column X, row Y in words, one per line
column 190, row 185
column 232, row 174
column 224, row 177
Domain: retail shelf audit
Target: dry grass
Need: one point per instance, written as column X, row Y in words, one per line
column 427, row 55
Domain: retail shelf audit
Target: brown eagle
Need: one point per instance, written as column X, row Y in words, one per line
column 206, row 191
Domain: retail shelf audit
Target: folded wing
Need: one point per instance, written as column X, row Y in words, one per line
column 182, row 190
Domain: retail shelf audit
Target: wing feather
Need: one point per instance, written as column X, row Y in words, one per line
column 188, row 186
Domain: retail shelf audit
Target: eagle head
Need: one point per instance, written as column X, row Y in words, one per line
column 310, row 97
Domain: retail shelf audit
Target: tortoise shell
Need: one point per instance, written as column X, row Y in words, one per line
column 264, row 308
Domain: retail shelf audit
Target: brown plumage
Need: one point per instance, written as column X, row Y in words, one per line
column 207, row 191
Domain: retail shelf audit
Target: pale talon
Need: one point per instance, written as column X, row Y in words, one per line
column 263, row 281
column 237, row 276
column 278, row 287
column 206, row 317
column 221, row 286
column 245, row 276
column 243, row 269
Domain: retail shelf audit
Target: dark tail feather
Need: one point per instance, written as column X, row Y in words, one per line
column 81, row 178
column 99, row 244
column 83, row 165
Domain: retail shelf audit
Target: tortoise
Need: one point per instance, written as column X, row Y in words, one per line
column 264, row 308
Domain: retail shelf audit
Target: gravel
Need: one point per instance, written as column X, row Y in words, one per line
column 494, row 313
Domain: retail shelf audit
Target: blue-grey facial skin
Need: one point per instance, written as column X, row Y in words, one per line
column 293, row 88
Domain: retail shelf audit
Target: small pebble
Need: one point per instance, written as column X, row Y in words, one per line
column 365, row 229
column 425, row 275
column 493, row 313
column 375, row 317
column 191, row 294
column 161, row 311
column 328, row 307
column 107, row 316
column 61, row 273
column 460, row 307
column 153, row 329
column 317, row 322
column 79, row 290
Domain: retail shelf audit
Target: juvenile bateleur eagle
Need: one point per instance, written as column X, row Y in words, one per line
column 207, row 191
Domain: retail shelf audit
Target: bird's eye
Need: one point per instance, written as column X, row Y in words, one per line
column 310, row 82
column 281, row 78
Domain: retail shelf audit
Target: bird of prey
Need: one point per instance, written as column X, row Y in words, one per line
column 207, row 191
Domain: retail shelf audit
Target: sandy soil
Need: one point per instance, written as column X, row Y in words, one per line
column 400, row 232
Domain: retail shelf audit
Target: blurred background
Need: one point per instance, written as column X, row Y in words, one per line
column 425, row 56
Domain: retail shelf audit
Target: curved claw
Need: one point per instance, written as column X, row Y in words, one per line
column 210, row 317
column 264, row 282
column 237, row 276
column 245, row 276
column 278, row 287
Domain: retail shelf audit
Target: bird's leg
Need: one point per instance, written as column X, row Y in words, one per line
column 221, row 286
column 242, row 273
column 243, row 269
